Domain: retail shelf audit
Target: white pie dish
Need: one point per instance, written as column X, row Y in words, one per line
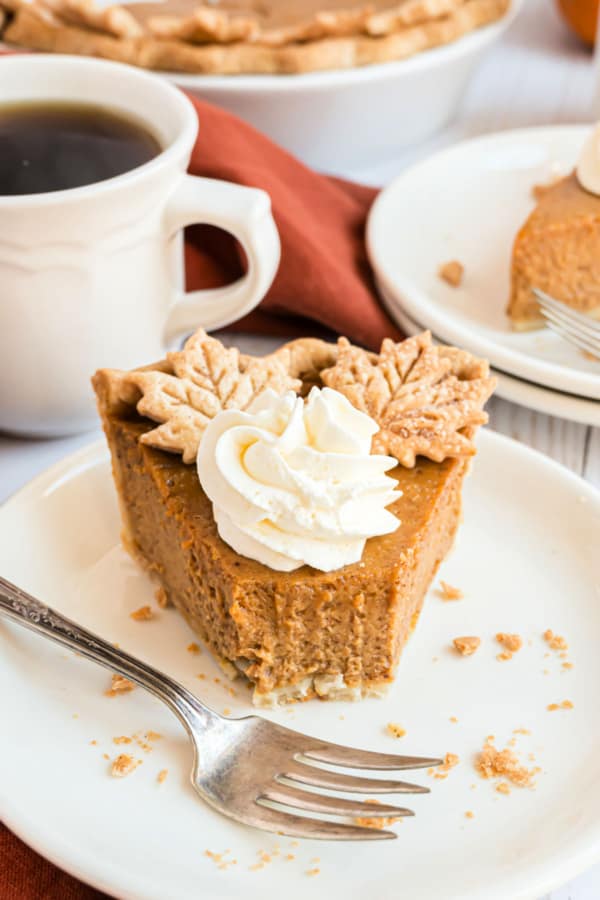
column 344, row 119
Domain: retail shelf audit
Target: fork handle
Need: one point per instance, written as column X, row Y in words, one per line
column 24, row 609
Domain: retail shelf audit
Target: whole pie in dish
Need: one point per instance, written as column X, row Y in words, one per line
column 294, row 508
column 245, row 36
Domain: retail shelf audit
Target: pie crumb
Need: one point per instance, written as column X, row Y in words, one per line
column 469, row 814
column 289, row 857
column 503, row 787
column 122, row 739
column 555, row 641
column 510, row 642
column 376, row 821
column 93, row 743
column 161, row 597
column 395, row 730
column 313, row 872
column 504, row 656
column 193, row 648
column 567, row 665
column 466, row 646
column 453, row 719
column 441, row 771
column 162, row 776
column 123, row 765
column 143, row 614
column 452, row 272
column 494, row 763
column 566, row 704
column 119, row 685
column 449, row 592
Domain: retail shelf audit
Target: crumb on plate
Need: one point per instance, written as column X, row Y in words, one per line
column 143, row 614
column 510, row 642
column 494, row 763
column 565, row 704
column 123, row 765
column 395, row 730
column 449, row 592
column 441, row 771
column 162, row 598
column 452, row 272
column 467, row 645
column 555, row 641
column 119, row 685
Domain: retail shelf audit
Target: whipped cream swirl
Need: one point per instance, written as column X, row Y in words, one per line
column 588, row 167
column 293, row 482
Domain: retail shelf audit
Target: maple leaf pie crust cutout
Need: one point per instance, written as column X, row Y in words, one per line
column 306, row 633
column 425, row 399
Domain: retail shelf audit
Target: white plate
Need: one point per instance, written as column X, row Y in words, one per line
column 544, row 400
column 523, row 567
column 467, row 203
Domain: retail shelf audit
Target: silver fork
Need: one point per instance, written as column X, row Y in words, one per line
column 575, row 327
column 245, row 768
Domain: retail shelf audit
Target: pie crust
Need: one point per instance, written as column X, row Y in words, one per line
column 200, row 39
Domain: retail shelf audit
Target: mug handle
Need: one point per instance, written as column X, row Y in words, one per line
column 244, row 212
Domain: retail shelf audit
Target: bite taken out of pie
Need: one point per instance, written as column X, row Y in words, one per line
column 294, row 508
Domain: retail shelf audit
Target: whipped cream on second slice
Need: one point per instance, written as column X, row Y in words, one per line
column 293, row 482
column 588, row 167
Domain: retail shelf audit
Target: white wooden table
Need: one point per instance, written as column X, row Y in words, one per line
column 537, row 75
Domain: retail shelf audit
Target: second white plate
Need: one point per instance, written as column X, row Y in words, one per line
column 467, row 203
column 540, row 399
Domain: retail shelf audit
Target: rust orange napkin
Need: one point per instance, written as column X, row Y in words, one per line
column 324, row 279
column 324, row 282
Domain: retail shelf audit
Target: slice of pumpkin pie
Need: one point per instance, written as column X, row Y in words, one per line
column 557, row 249
column 294, row 508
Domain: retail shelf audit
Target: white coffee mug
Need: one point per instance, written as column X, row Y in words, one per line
column 93, row 276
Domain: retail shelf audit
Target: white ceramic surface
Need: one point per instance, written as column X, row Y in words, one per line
column 467, row 203
column 93, row 276
column 349, row 118
column 544, row 400
column 523, row 568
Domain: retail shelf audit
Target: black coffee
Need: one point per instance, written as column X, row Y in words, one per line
column 55, row 146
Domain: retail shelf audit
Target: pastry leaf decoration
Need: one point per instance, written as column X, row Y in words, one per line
column 425, row 399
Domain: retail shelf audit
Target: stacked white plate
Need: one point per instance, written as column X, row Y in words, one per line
column 467, row 204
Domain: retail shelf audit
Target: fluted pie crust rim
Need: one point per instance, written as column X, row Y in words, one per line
column 196, row 44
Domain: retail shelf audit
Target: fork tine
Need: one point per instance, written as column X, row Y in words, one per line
column 338, row 781
column 567, row 313
column 299, row 826
column 566, row 334
column 572, row 326
column 338, row 755
column 332, row 806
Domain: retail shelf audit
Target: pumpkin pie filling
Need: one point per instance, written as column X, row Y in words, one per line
column 557, row 250
column 294, row 634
